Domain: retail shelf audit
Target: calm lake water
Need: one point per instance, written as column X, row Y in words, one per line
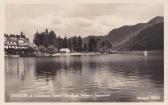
column 101, row 78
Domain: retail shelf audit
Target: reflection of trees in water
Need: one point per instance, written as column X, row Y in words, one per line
column 48, row 68
column 72, row 64
column 76, row 67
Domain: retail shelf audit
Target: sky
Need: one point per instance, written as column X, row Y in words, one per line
column 70, row 19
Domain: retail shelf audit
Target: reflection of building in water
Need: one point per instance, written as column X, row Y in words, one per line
column 17, row 68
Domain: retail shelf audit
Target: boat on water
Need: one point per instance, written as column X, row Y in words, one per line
column 145, row 53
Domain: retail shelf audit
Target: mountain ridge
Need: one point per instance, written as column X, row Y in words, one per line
column 118, row 37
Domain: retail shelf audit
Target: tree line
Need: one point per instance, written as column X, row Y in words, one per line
column 49, row 39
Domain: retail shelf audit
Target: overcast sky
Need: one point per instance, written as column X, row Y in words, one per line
column 76, row 19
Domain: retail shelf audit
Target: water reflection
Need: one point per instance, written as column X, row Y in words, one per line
column 49, row 67
column 123, row 76
column 18, row 68
column 46, row 68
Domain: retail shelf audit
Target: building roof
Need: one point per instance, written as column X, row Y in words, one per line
column 12, row 39
column 15, row 41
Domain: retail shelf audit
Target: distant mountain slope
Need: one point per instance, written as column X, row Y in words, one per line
column 121, row 35
column 151, row 38
column 118, row 35
column 142, row 36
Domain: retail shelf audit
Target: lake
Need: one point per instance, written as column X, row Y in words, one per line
column 128, row 77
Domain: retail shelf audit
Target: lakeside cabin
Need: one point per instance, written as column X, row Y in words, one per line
column 18, row 46
column 64, row 50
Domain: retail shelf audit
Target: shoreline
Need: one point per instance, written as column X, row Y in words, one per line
column 82, row 54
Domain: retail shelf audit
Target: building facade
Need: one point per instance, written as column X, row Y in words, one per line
column 65, row 50
column 17, row 45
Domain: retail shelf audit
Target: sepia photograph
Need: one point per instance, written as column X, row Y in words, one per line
column 84, row 52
